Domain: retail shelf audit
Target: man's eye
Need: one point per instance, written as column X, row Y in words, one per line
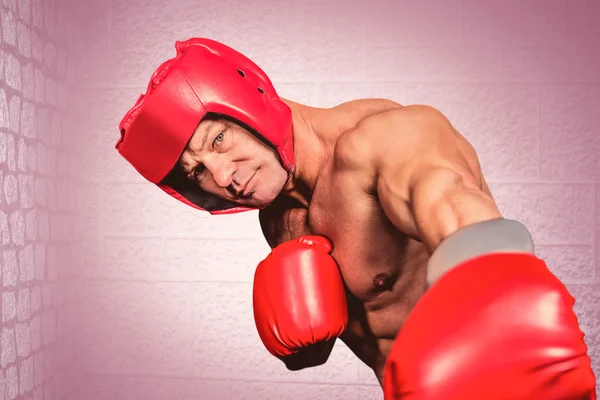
column 198, row 171
column 220, row 137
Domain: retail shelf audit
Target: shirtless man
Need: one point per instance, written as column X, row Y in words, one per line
column 384, row 233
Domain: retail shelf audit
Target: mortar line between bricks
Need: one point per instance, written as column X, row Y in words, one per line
column 318, row 91
column 102, row 238
column 192, row 281
column 576, row 281
column 488, row 82
column 458, row 45
column 194, row 237
column 542, row 182
column 539, row 131
column 563, row 244
column 110, row 45
column 201, row 378
column 595, row 235
column 567, row 33
column 259, row 239
column 132, row 280
column 462, row 23
column 365, row 52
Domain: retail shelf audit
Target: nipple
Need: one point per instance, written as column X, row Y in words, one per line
column 381, row 281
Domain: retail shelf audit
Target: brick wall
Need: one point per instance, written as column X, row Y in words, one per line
column 169, row 289
column 37, row 202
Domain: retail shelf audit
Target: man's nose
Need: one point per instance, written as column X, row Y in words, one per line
column 222, row 172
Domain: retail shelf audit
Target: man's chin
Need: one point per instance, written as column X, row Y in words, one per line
column 248, row 203
column 254, row 201
column 261, row 203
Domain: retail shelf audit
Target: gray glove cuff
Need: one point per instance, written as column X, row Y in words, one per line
column 494, row 236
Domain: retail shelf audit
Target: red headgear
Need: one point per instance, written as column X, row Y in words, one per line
column 204, row 77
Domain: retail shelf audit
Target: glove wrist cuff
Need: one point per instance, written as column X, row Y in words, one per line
column 493, row 236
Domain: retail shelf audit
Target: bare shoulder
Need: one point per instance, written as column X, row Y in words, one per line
column 354, row 153
column 401, row 140
column 390, row 132
column 401, row 135
column 347, row 115
column 366, row 107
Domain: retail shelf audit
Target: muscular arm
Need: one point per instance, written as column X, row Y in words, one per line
column 443, row 200
column 437, row 178
column 424, row 173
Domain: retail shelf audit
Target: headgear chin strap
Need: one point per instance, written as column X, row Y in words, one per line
column 204, row 77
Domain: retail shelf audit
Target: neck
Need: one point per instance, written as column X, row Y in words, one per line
column 310, row 152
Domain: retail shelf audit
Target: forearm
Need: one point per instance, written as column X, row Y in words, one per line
column 445, row 202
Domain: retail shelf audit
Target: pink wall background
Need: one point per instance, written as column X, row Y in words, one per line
column 113, row 291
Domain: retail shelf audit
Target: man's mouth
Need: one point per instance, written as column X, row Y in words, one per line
column 247, row 190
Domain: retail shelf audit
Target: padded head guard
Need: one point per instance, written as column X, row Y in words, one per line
column 204, row 77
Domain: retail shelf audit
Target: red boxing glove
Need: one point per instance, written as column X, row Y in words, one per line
column 299, row 297
column 497, row 326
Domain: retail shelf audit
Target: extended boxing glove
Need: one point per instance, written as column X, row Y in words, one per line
column 498, row 325
column 298, row 297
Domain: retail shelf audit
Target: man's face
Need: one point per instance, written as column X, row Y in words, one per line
column 228, row 161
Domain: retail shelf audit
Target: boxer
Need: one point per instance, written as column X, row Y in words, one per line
column 383, row 231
